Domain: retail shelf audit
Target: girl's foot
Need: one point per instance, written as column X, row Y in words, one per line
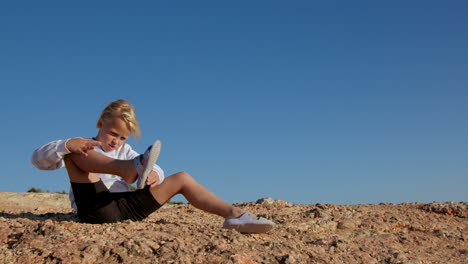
column 248, row 223
column 144, row 163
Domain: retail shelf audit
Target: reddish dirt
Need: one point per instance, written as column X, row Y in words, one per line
column 40, row 228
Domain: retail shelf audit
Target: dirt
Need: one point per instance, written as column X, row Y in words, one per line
column 41, row 228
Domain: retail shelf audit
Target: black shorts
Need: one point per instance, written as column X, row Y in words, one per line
column 96, row 205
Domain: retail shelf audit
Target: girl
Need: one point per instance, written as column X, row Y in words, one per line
column 101, row 168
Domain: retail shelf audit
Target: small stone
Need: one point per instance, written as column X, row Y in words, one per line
column 242, row 260
column 265, row 201
column 346, row 224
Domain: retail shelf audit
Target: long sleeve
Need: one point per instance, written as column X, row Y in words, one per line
column 50, row 156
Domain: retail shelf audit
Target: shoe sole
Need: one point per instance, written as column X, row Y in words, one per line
column 251, row 228
column 153, row 157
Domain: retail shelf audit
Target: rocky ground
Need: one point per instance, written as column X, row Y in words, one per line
column 40, row 228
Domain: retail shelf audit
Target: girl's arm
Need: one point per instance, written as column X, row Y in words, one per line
column 50, row 156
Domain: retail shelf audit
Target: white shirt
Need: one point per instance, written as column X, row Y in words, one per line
column 50, row 157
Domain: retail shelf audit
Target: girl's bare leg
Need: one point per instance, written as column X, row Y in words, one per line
column 81, row 169
column 196, row 195
column 78, row 175
column 98, row 163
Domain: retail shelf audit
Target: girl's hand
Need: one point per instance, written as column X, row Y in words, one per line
column 153, row 179
column 81, row 145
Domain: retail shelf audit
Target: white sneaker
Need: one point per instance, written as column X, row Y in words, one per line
column 247, row 223
column 144, row 163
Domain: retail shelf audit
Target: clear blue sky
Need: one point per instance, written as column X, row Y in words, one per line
column 309, row 102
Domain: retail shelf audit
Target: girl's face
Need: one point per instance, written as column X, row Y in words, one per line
column 112, row 133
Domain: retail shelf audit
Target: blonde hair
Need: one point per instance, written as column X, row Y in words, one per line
column 122, row 109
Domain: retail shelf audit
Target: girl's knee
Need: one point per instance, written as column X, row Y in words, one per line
column 74, row 172
column 68, row 160
column 183, row 177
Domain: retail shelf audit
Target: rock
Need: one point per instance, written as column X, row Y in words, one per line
column 242, row 260
column 347, row 224
column 269, row 202
column 265, row 201
column 449, row 208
